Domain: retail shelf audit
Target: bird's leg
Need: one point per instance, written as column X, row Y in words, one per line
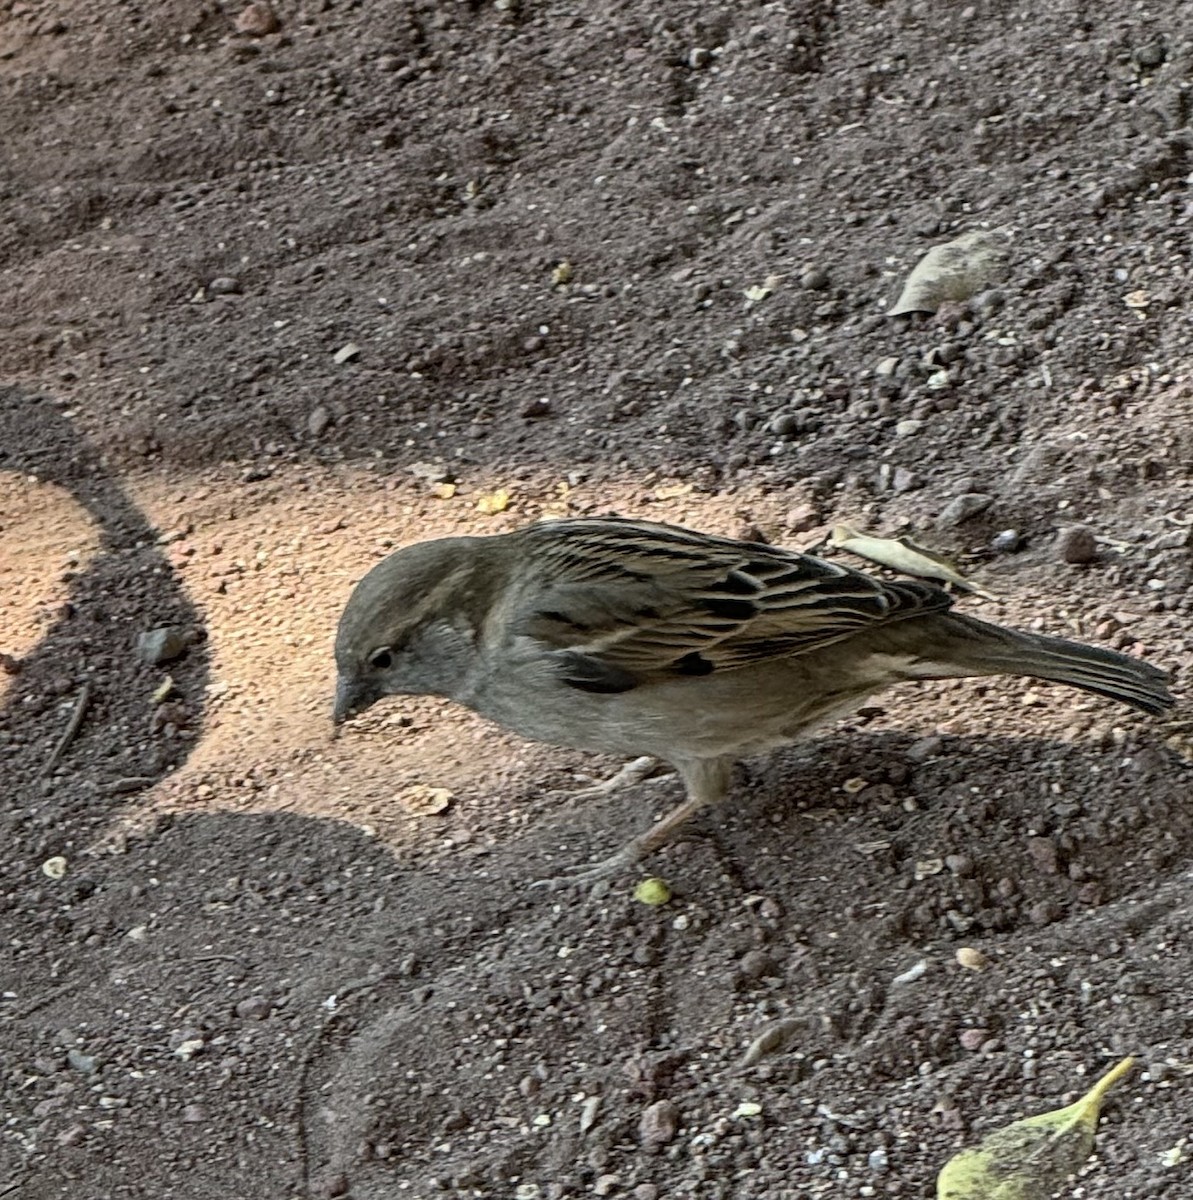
column 705, row 781
column 632, row 773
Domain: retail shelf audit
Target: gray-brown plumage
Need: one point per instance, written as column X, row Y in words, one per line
column 634, row 638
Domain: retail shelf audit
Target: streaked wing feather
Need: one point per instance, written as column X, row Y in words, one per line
column 655, row 600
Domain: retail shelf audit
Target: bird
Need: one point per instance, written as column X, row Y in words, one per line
column 636, row 638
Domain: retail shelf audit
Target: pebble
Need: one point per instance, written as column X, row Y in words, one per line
column 1151, row 54
column 255, row 1008
column 973, row 1039
column 258, row 20
column 336, row 1185
column 224, row 285
column 72, row 1136
column 193, row 1114
column 157, row 646
column 1044, row 912
column 909, row 427
column 1077, row 544
column 754, row 964
column 785, row 424
column 80, row 1061
column 318, row 421
column 971, row 959
column 886, row 367
column 962, row 508
column 905, row 481
column 878, row 1160
column 658, row 1124
column 924, row 748
column 801, row 518
column 814, row 279
column 1008, row 541
column 699, row 57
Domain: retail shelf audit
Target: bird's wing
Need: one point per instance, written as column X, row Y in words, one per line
column 648, row 601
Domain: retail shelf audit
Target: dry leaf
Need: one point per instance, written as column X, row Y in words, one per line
column 904, row 556
column 54, row 868
column 759, row 292
column 445, row 491
column 494, row 502
column 1029, row 1159
column 672, row 491
column 562, row 273
column 421, row 800
column 954, row 271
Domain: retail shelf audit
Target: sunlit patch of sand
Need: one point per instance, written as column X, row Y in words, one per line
column 269, row 566
column 46, row 536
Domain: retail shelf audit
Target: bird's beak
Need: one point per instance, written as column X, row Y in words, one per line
column 351, row 698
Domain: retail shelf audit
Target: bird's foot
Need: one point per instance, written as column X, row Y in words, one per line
column 584, row 876
column 632, row 773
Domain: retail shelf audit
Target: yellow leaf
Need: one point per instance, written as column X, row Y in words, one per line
column 494, row 502
column 904, row 556
column 652, row 891
column 1029, row 1159
column 562, row 273
column 445, row 491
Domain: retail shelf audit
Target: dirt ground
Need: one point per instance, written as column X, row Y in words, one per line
column 282, row 291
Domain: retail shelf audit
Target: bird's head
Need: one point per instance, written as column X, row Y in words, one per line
column 410, row 625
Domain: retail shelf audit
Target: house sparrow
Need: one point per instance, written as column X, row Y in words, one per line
column 634, row 638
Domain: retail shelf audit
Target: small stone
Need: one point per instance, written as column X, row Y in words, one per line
column 224, row 285
column 785, row 424
column 909, row 427
column 318, row 421
column 606, row 1185
column 346, row 354
column 1077, row 545
column 193, row 1114
column 755, row 964
column 973, row 1039
column 1008, row 541
column 971, row 959
column 886, row 367
column 258, row 20
column 924, row 748
column 878, row 1161
column 801, row 518
column 1043, row 854
column 157, row 646
column 335, row 1185
column 538, row 408
column 658, row 1124
column 699, row 57
column 73, row 1135
column 80, row 1061
column 814, row 279
column 960, row 865
column 646, row 1191
column 1151, row 54
column 1044, row 912
column 254, row 1008
column 962, row 508
column 904, row 480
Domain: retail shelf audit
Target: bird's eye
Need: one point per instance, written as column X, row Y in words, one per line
column 381, row 659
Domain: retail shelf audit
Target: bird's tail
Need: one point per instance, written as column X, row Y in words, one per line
column 992, row 650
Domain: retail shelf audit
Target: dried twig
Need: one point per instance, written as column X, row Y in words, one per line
column 72, row 727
